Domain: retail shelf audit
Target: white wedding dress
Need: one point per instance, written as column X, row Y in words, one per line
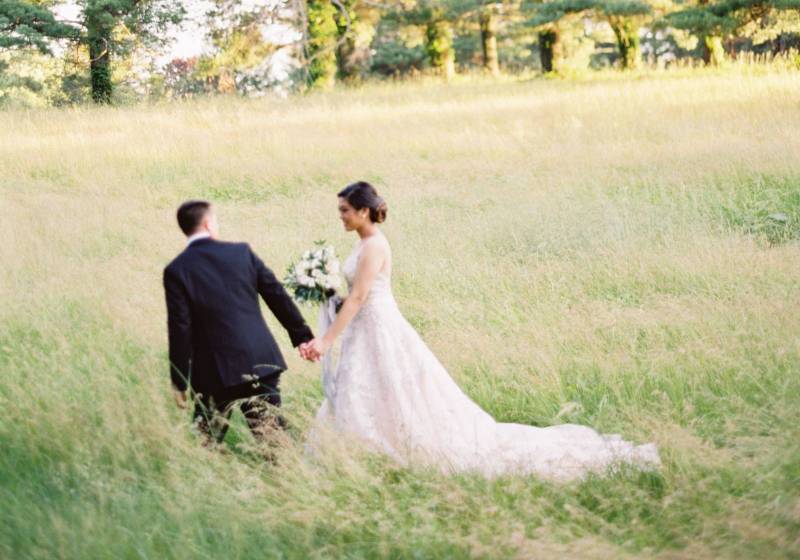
column 391, row 392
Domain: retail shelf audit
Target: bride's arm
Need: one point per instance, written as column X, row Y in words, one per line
column 369, row 264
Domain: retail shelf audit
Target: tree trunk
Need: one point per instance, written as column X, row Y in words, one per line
column 626, row 31
column 713, row 51
column 489, row 42
column 99, row 40
column 439, row 46
column 346, row 36
column 322, row 34
column 549, row 50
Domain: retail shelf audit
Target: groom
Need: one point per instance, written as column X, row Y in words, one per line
column 219, row 344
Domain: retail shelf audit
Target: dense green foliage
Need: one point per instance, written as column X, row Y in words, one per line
column 27, row 24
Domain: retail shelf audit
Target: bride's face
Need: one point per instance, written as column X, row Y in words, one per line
column 352, row 218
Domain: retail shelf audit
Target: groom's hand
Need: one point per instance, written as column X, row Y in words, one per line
column 180, row 398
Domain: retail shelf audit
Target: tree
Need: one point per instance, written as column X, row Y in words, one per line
column 709, row 28
column 321, row 39
column 626, row 30
column 181, row 78
column 624, row 16
column 147, row 19
column 550, row 48
column 439, row 46
column 438, row 18
column 28, row 24
column 356, row 26
column 345, row 19
column 397, row 48
column 236, row 30
column 488, row 24
column 549, row 36
column 29, row 29
column 713, row 21
column 332, row 37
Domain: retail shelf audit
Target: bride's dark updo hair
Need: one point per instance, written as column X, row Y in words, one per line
column 363, row 195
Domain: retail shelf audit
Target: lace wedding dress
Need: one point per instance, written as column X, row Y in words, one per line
column 391, row 392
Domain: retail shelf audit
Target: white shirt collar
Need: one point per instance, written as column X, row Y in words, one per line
column 196, row 236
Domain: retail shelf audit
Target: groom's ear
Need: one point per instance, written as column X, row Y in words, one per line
column 210, row 222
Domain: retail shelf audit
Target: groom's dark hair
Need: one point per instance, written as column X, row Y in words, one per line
column 191, row 213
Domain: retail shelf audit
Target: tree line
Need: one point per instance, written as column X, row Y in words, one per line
column 345, row 41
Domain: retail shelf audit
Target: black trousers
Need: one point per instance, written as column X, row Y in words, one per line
column 257, row 401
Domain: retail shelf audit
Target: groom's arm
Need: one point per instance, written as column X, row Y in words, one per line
column 179, row 326
column 279, row 302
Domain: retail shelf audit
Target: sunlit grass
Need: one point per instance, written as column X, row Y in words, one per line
column 620, row 253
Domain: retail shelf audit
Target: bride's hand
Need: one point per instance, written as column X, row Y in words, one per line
column 318, row 348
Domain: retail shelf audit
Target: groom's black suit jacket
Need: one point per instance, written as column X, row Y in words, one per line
column 218, row 338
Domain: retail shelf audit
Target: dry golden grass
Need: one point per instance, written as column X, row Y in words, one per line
column 600, row 253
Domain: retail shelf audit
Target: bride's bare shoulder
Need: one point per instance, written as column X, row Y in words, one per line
column 377, row 245
column 377, row 240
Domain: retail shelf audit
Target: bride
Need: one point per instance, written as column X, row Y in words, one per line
column 390, row 391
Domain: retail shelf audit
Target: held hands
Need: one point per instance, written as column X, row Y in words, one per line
column 305, row 353
column 313, row 350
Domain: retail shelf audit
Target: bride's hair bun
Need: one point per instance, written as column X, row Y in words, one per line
column 378, row 215
column 362, row 195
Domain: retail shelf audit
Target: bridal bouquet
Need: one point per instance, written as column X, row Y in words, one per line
column 315, row 278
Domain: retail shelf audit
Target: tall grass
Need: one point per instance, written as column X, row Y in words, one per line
column 622, row 254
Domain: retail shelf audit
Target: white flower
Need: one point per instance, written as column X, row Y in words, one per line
column 317, row 272
column 332, row 267
column 334, row 281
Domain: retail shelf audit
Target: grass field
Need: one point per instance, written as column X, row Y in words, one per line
column 622, row 253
